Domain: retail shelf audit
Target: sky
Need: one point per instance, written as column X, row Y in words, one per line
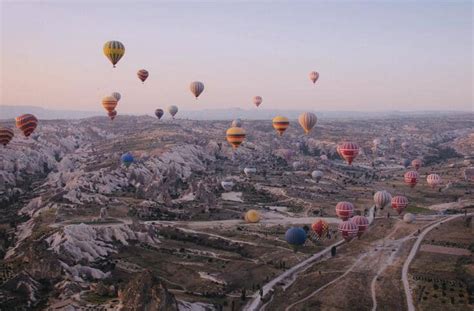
column 372, row 55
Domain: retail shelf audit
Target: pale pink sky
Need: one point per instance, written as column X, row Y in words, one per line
column 371, row 55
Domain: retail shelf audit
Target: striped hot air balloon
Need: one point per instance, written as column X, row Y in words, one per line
column 307, row 121
column 416, row 164
column 142, row 75
column 172, row 110
column 399, row 203
column 382, row 199
column 257, row 100
column 280, row 124
column 344, row 210
column 159, row 113
column 348, row 229
column 348, row 151
column 235, row 136
column 320, row 228
column 114, row 50
column 196, row 88
column 252, row 216
column 433, row 180
column 314, row 76
column 117, row 96
column 27, row 123
column 411, row 178
column 6, row 135
column 362, row 224
column 109, row 103
column 112, row 114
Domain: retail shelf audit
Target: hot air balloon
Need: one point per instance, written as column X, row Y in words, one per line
column 236, row 123
column 433, row 180
column 196, row 88
column 362, row 224
column 411, row 178
column 399, row 203
column 348, row 151
column 116, row 95
column 114, row 50
column 314, row 76
column 112, row 114
column 295, row 236
column 280, row 124
column 235, row 136
column 172, row 110
column 159, row 113
column 257, row 100
column 320, row 228
column 382, row 198
column 249, row 171
column 348, row 229
column 109, row 103
column 406, row 163
column 409, row 218
column 344, row 210
column 227, row 185
column 127, row 159
column 6, row 135
column 307, row 121
column 252, row 216
column 416, row 164
column 142, row 75
column 317, row 175
column 27, row 123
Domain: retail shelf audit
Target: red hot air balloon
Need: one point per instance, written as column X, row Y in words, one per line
column 416, row 164
column 399, row 203
column 344, row 210
column 314, row 76
column 6, row 135
column 433, row 180
column 142, row 75
column 321, row 228
column 27, row 123
column 362, row 223
column 348, row 229
column 257, row 100
column 411, row 178
column 349, row 151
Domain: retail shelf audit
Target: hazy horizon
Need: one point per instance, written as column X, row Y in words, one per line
column 371, row 56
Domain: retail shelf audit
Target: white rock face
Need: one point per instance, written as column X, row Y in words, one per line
column 86, row 242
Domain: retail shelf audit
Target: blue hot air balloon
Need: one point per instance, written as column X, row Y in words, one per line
column 127, row 159
column 295, row 236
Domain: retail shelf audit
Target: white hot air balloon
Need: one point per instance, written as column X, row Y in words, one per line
column 317, row 175
column 173, row 110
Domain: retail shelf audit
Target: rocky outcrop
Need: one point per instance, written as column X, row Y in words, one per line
column 146, row 292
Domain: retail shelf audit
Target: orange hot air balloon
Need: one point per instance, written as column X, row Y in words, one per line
column 411, row 178
column 280, row 124
column 307, row 121
column 257, row 100
column 6, row 135
column 235, row 136
column 321, row 228
column 433, row 180
column 112, row 114
column 27, row 123
column 349, row 151
column 142, row 75
column 314, row 76
column 416, row 164
column 109, row 103
column 399, row 203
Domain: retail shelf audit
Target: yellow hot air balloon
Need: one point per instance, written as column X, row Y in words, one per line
column 235, row 136
column 307, row 121
column 252, row 216
column 280, row 124
column 114, row 50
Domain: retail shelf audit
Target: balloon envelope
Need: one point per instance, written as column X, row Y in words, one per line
column 26, row 123
column 127, row 159
column 114, row 51
column 307, row 121
column 295, row 236
column 6, row 135
column 196, row 88
column 159, row 113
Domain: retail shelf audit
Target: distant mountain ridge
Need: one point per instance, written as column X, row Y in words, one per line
column 8, row 112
